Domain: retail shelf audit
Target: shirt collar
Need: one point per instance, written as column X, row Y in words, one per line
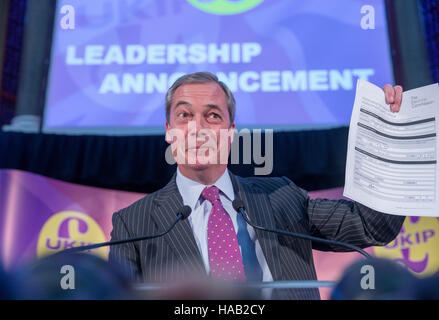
column 190, row 190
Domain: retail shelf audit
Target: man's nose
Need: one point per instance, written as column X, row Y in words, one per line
column 201, row 122
column 196, row 125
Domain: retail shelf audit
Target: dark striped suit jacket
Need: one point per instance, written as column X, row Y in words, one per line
column 270, row 202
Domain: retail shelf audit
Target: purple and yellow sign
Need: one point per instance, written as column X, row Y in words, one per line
column 416, row 246
column 68, row 229
column 40, row 216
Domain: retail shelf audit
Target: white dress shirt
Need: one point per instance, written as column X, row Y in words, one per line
column 190, row 192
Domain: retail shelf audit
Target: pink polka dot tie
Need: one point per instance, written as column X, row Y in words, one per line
column 225, row 258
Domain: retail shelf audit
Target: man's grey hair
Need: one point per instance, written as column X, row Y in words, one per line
column 200, row 77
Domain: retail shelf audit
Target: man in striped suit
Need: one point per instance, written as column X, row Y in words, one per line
column 215, row 241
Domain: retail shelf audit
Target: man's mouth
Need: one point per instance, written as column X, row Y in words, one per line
column 201, row 146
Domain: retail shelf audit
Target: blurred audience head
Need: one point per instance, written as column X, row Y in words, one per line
column 375, row 279
column 8, row 285
column 427, row 288
column 72, row 276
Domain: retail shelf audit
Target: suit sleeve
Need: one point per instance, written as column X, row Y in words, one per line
column 347, row 221
column 124, row 256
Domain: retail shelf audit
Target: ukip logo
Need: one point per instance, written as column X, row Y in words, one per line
column 416, row 246
column 68, row 229
column 225, row 7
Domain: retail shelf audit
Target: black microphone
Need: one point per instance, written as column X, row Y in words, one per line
column 182, row 214
column 238, row 205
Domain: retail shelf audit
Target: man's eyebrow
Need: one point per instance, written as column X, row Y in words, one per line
column 214, row 106
column 183, row 103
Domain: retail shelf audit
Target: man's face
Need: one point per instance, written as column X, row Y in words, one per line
column 199, row 113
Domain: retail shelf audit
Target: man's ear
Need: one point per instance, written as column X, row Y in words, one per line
column 167, row 127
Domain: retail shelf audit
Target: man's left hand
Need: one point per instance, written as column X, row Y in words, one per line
column 393, row 96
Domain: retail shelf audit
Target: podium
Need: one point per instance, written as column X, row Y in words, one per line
column 193, row 290
column 304, row 284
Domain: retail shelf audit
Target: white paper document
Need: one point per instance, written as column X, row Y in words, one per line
column 392, row 157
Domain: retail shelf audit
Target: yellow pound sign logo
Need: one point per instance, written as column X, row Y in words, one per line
column 68, row 229
column 416, row 246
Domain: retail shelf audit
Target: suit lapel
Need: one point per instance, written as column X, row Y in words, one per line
column 181, row 239
column 260, row 212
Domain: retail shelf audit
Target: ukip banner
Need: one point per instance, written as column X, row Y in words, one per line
column 41, row 216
